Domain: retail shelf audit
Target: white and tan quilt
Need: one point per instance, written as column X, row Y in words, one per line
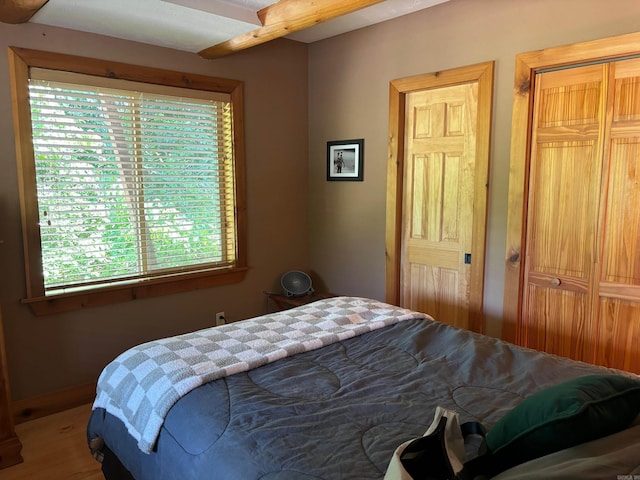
column 142, row 384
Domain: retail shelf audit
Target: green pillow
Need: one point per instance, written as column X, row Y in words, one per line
column 562, row 416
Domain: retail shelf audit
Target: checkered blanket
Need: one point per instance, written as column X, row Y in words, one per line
column 142, row 384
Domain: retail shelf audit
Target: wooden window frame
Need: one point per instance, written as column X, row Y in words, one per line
column 527, row 65
column 21, row 60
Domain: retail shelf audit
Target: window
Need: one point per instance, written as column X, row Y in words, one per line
column 131, row 182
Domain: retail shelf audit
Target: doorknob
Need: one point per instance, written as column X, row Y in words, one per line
column 555, row 282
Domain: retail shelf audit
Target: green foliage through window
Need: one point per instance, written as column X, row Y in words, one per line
column 130, row 184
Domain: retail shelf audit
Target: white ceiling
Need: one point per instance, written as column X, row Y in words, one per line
column 193, row 25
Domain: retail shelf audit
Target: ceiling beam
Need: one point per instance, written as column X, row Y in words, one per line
column 19, row 11
column 285, row 17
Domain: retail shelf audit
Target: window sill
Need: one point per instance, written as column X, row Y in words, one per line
column 156, row 287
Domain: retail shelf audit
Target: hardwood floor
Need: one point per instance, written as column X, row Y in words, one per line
column 55, row 448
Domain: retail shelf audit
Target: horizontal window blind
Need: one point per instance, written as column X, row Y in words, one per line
column 130, row 184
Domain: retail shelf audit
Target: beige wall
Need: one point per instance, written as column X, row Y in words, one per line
column 349, row 80
column 46, row 354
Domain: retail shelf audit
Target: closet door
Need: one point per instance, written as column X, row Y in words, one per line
column 563, row 203
column 582, row 264
column 618, row 299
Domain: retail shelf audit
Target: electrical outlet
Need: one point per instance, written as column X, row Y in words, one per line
column 220, row 318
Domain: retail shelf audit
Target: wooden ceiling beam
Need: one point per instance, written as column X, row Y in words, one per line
column 285, row 17
column 19, row 11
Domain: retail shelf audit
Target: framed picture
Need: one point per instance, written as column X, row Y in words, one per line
column 345, row 160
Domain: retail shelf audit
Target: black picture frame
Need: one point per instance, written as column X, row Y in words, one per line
column 345, row 160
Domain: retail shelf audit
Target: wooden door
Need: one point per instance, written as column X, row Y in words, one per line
column 563, row 210
column 582, row 265
column 440, row 133
column 618, row 297
column 437, row 183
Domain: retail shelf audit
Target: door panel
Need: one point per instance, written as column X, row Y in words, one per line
column 562, row 217
column 438, row 201
column 619, row 334
column 556, row 323
column 622, row 227
column 434, row 289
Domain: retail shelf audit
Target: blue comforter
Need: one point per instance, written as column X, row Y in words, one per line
column 340, row 411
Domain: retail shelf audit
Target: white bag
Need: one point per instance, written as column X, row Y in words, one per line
column 438, row 454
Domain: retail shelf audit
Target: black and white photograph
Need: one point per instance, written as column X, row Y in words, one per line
column 345, row 160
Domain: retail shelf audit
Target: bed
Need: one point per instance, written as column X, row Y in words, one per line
column 324, row 391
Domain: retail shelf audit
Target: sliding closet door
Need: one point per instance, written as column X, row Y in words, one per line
column 618, row 299
column 563, row 209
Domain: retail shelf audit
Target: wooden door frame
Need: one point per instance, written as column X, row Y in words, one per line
column 481, row 73
column 527, row 65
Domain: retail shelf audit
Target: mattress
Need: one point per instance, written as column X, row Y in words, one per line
column 339, row 411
